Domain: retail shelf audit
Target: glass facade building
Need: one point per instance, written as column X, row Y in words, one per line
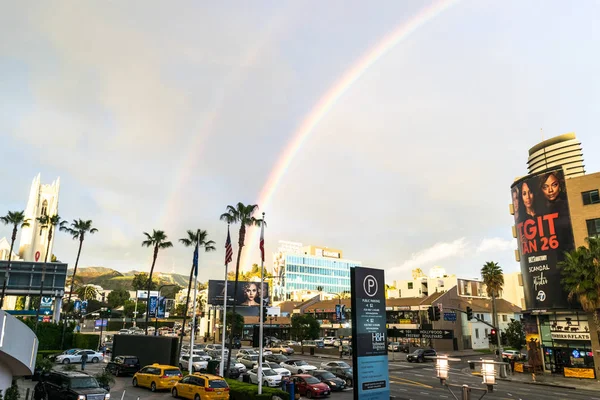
column 306, row 272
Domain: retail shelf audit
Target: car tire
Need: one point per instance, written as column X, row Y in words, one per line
column 265, row 384
column 308, row 394
column 300, row 371
column 280, row 351
column 174, row 393
column 349, row 382
column 153, row 387
column 197, row 397
column 95, row 360
column 134, row 382
column 66, row 361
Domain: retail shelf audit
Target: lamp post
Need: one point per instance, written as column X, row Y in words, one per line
column 157, row 305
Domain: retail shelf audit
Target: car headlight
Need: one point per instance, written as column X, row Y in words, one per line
column 332, row 383
column 107, row 396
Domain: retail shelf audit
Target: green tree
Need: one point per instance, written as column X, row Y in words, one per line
column 78, row 230
column 140, row 282
column 234, row 320
column 169, row 292
column 242, row 214
column 515, row 334
column 197, row 239
column 179, row 310
column 117, row 298
column 50, row 223
column 16, row 219
column 305, row 327
column 493, row 279
column 157, row 240
column 319, row 288
column 87, row 292
column 129, row 308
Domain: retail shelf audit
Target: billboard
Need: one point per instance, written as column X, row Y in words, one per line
column 544, row 234
column 248, row 293
column 369, row 341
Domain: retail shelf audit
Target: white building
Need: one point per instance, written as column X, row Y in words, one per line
column 5, row 249
column 422, row 285
column 513, row 289
column 43, row 200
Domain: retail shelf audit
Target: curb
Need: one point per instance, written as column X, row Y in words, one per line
column 542, row 384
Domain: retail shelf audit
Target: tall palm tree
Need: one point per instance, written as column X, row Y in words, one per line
column 158, row 240
column 493, row 279
column 46, row 222
column 242, row 214
column 197, row 238
column 87, row 292
column 16, row 219
column 581, row 277
column 78, row 229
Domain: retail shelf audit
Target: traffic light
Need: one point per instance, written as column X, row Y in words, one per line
column 436, row 313
column 469, row 313
column 431, row 314
column 264, row 310
column 492, row 337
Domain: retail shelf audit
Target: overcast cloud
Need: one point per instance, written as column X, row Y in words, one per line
column 156, row 115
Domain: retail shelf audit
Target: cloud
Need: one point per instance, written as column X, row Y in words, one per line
column 439, row 251
column 493, row 245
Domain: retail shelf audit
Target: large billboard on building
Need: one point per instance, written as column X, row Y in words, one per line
column 544, row 234
column 248, row 293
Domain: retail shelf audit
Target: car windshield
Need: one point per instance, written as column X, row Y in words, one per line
column 84, row 383
column 327, row 375
column 273, row 365
column 417, row 352
column 131, row 361
column 311, row 380
column 217, row 384
column 253, row 357
column 196, row 359
column 172, row 372
column 299, row 363
column 269, row 372
column 343, row 364
column 217, row 347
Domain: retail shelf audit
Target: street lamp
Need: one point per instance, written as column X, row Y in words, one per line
column 157, row 305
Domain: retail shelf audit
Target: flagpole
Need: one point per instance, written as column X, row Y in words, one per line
column 193, row 330
column 224, row 319
column 260, row 320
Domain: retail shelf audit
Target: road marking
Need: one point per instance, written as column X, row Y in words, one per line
column 425, row 393
column 445, row 397
column 409, row 382
column 422, row 376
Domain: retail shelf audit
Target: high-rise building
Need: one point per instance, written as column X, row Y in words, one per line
column 564, row 151
column 309, row 268
column 43, row 200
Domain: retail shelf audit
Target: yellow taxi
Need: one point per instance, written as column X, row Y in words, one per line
column 157, row 377
column 201, row 387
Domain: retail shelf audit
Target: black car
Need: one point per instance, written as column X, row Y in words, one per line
column 68, row 385
column 343, row 373
column 328, row 378
column 123, row 365
column 420, row 354
column 276, row 358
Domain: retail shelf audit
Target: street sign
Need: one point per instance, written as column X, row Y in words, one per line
column 425, row 333
column 450, row 316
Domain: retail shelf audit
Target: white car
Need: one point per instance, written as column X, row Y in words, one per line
column 198, row 364
column 334, row 364
column 277, row 368
column 202, row 354
column 269, row 378
column 245, row 352
column 124, row 332
column 297, row 366
column 328, row 341
column 92, row 357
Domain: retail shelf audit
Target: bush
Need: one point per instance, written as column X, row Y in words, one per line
column 50, row 334
column 48, row 353
column 69, row 367
column 247, row 391
column 43, row 364
column 86, row 341
column 104, row 378
column 12, row 393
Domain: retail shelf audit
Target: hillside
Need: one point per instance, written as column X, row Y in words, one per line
column 110, row 279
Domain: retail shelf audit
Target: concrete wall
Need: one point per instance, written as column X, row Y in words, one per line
column 18, row 349
column 579, row 212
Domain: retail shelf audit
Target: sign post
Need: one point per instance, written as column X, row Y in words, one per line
column 369, row 336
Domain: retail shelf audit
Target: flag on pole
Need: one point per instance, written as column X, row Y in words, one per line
column 228, row 249
column 195, row 264
column 262, row 241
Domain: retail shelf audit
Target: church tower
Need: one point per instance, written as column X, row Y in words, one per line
column 43, row 200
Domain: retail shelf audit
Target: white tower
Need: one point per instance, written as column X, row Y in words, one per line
column 43, row 200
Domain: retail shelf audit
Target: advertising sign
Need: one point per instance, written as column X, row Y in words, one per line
column 544, row 234
column 340, row 312
column 153, row 306
column 76, row 306
column 161, row 307
column 424, row 333
column 369, row 334
column 100, row 322
column 248, row 293
column 450, row 316
column 84, row 305
column 143, row 294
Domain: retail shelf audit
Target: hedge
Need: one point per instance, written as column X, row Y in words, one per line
column 49, row 334
column 116, row 324
column 86, row 341
column 247, row 391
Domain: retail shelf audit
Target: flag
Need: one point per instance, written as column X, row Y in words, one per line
column 195, row 263
column 228, row 249
column 262, row 241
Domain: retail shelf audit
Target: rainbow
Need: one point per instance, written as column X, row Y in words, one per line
column 328, row 101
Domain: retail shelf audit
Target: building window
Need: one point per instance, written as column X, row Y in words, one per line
column 486, row 332
column 590, row 197
column 410, row 285
column 44, row 207
column 593, row 227
column 504, row 318
column 476, row 333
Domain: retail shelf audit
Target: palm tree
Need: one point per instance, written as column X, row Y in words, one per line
column 158, row 240
column 77, row 230
column 197, row 238
column 243, row 214
column 16, row 219
column 493, row 279
column 87, row 292
column 46, row 222
column 581, row 277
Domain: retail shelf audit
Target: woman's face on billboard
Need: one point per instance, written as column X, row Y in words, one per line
column 251, row 292
column 551, row 188
column 527, row 195
column 515, row 197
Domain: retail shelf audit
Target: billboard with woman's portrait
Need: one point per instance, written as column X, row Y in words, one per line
column 544, row 234
column 248, row 293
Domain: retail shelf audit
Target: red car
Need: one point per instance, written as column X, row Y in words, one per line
column 309, row 386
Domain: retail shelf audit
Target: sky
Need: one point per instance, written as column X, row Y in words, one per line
column 157, row 115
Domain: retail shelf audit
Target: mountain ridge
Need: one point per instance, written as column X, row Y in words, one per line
column 111, row 279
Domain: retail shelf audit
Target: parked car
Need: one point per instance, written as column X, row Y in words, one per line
column 66, row 385
column 69, row 351
column 319, row 344
column 246, row 352
column 292, row 343
column 297, row 366
column 124, row 332
column 202, row 354
column 282, row 349
column 201, row 386
column 420, row 355
column 198, row 363
column 266, row 351
column 344, row 373
column 328, row 341
column 157, row 377
column 285, row 374
column 327, row 377
column 123, row 365
column 269, row 377
column 335, row 364
column 278, row 358
column 309, row 386
column 92, row 357
column 394, row 346
column 249, row 361
column 512, row 354
column 236, row 344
